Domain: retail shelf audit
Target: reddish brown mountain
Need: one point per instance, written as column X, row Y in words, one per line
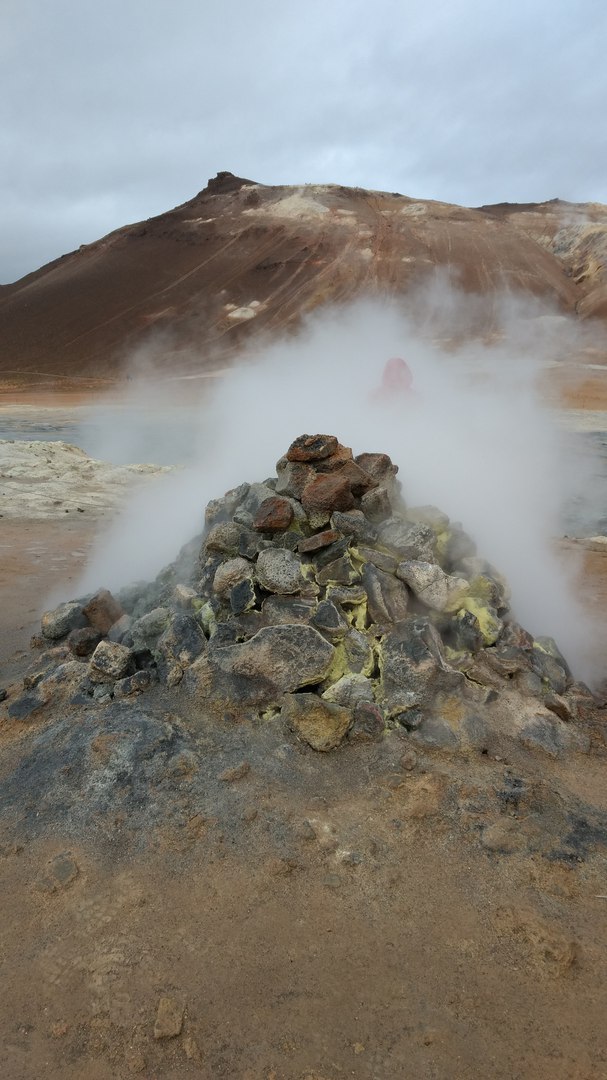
column 241, row 257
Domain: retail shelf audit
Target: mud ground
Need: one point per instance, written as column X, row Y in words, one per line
column 378, row 920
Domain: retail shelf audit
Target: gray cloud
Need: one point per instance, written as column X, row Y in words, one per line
column 112, row 113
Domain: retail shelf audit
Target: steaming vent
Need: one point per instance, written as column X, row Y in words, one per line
column 321, row 596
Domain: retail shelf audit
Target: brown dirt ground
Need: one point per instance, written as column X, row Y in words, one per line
column 430, row 958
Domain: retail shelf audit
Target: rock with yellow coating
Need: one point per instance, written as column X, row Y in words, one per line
column 489, row 623
column 321, row 724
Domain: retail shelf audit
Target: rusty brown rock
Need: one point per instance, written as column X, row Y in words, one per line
column 318, row 541
column 359, row 480
column 274, row 515
column 103, row 610
column 327, row 492
column 312, row 448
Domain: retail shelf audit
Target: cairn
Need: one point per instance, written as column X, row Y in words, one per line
column 320, row 595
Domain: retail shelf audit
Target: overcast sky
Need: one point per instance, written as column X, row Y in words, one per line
column 114, row 111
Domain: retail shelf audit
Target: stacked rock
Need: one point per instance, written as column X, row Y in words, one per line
column 320, row 594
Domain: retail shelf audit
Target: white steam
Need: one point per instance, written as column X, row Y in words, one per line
column 474, row 440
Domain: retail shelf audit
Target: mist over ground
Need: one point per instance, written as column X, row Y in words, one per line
column 474, row 438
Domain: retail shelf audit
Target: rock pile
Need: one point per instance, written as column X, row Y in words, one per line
column 318, row 593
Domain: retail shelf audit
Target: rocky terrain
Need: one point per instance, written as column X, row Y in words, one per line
column 311, row 804
column 242, row 259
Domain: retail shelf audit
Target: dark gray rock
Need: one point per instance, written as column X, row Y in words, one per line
column 133, row 684
column 230, row 538
column 342, row 571
column 551, row 735
column 549, row 669
column 181, row 643
column 281, row 610
column 359, row 654
column 354, row 523
column 409, row 540
column 219, row 510
column 84, row 641
column 330, row 621
column 231, row 573
column 243, row 596
column 350, row 690
column 381, row 559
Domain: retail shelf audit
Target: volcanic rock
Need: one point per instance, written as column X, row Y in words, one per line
column 311, row 448
column 274, row 515
column 83, row 642
column 58, row 623
column 321, row 724
column 110, row 661
column 324, row 494
column 279, row 571
column 102, row 611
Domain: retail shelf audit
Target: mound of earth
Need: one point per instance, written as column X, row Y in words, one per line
column 243, row 259
column 310, row 804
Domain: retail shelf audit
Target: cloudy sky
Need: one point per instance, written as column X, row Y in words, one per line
column 112, row 112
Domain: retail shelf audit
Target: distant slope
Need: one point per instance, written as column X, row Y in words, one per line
column 240, row 258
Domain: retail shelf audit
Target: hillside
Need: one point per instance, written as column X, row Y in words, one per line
column 241, row 258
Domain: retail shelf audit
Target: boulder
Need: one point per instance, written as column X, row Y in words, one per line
column 292, row 477
column 376, row 504
column 181, row 643
column 378, row 466
column 368, row 723
column 349, row 690
column 330, row 621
